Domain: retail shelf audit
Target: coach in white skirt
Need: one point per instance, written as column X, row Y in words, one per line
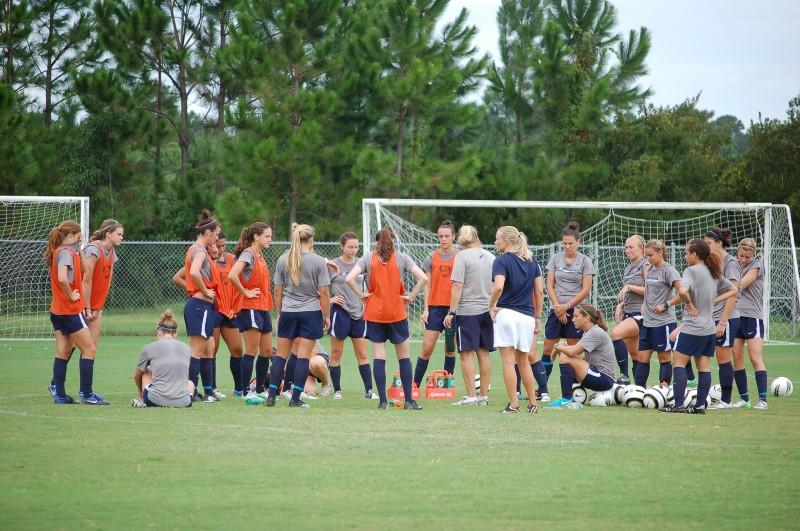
column 511, row 308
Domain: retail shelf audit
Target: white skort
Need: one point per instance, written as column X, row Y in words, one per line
column 513, row 329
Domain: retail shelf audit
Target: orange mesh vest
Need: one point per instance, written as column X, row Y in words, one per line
column 191, row 289
column 61, row 305
column 228, row 297
column 101, row 277
column 441, row 286
column 259, row 278
column 386, row 286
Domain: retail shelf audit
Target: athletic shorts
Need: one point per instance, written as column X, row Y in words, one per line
column 344, row 326
column 198, row 315
column 690, row 345
column 307, row 325
column 596, row 380
column 656, row 338
column 474, row 332
column 68, row 324
column 436, row 315
column 513, row 329
column 555, row 329
column 150, row 403
column 636, row 316
column 261, row 320
column 395, row 333
column 220, row 320
column 750, row 328
column 731, row 331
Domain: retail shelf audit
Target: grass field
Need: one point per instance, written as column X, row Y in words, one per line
column 344, row 464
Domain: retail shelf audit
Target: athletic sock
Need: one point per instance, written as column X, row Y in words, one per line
column 547, row 360
column 664, row 371
column 726, row 381
column 621, row 353
column 194, row 370
column 379, row 371
column 262, row 370
column 366, row 376
column 761, row 384
column 236, row 372
column 641, row 374
column 519, row 378
column 299, row 377
column 703, row 387
column 60, row 376
column 87, row 374
column 679, row 385
column 205, row 373
column 276, row 375
column 449, row 364
column 419, row 370
column 540, row 375
column 214, row 372
column 405, row 378
column 634, row 364
column 288, row 374
column 689, row 370
column 567, row 379
column 740, row 377
column 336, row 377
column 247, row 370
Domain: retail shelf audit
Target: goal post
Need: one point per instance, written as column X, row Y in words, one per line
column 769, row 224
column 25, row 223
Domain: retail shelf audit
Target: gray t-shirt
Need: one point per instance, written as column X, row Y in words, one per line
column 750, row 303
column 64, row 258
column 731, row 271
column 599, row 350
column 633, row 276
column 168, row 360
column 352, row 304
column 658, row 291
column 94, row 250
column 427, row 265
column 569, row 277
column 313, row 276
column 473, row 268
column 702, row 290
column 205, row 269
column 249, row 262
column 404, row 264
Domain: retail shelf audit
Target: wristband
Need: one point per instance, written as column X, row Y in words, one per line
column 570, row 305
column 451, row 312
column 666, row 305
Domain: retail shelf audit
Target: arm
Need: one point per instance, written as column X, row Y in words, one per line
column 179, row 278
column 573, row 351
column 672, row 301
column 584, row 292
column 351, row 282
column 325, row 304
column 137, row 377
column 422, row 281
column 551, row 291
column 497, row 290
column 194, row 272
column 749, row 278
column 87, row 266
column 455, row 298
column 538, row 300
column 63, row 283
column 424, row 316
column 730, row 304
column 278, row 299
column 233, row 276
column 683, row 295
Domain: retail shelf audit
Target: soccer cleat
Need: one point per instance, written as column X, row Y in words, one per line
column 326, row 390
column 94, row 400
column 263, row 394
column 52, row 388
column 210, row 399
column 337, row 395
column 66, row 399
column 719, row 404
column 299, row 404
column 762, row 404
column 561, row 402
column 483, row 400
column 80, row 395
column 371, row 395
column 254, row 400
column 306, row 396
column 542, row 397
column 673, row 409
column 269, row 402
column 237, row 394
column 138, row 402
column 509, row 409
column 467, row 401
column 412, row 404
column 383, row 405
column 533, row 408
column 694, row 410
column 219, row 394
column 624, row 380
column 691, row 384
column 286, row 394
column 574, row 405
column 742, row 404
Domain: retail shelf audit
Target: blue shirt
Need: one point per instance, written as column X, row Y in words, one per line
column 520, row 275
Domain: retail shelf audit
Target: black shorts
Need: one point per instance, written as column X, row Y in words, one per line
column 68, row 324
column 436, row 315
column 474, row 332
column 636, row 316
column 596, row 380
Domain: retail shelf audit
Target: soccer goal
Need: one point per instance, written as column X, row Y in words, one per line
column 25, row 223
column 603, row 241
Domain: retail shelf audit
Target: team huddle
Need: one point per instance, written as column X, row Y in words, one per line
column 481, row 302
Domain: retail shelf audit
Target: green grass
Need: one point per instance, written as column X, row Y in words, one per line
column 344, row 464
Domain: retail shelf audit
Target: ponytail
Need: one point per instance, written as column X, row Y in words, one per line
column 516, row 239
column 300, row 235
column 573, row 229
column 106, row 227
column 385, row 244
column 703, row 252
column 56, row 237
column 593, row 314
column 247, row 236
column 524, row 251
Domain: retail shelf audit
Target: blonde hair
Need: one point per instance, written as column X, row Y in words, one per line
column 749, row 244
column 167, row 323
column 468, row 235
column 57, row 236
column 517, row 239
column 300, row 235
column 658, row 245
column 638, row 238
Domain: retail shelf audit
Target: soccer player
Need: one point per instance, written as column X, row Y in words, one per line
column 385, row 312
column 347, row 319
column 226, row 326
column 160, row 375
column 249, row 275
column 718, row 241
column 98, row 260
column 625, row 334
column 437, row 266
column 698, row 337
column 468, row 313
column 569, row 281
column 301, row 290
column 659, row 317
column 751, row 325
column 66, row 313
column 511, row 307
column 595, row 370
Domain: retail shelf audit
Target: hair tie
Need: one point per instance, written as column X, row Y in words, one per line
column 714, row 234
column 167, row 329
column 211, row 221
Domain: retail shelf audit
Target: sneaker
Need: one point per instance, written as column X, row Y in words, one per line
column 719, row 404
column 742, row 404
column 52, row 389
column 509, row 409
column 337, row 395
column 691, row 384
column 287, row 395
column 269, row 402
column 219, row 394
column 624, row 380
column 693, row 410
column 542, row 397
column 237, row 394
column 561, row 402
column 300, row 404
column 673, row 409
column 483, row 400
column 306, row 396
column 210, row 399
column 94, row 400
column 383, row 405
column 66, row 399
column 254, row 400
column 80, row 395
column 412, row 404
column 762, row 404
column 574, row 405
column 533, row 408
column 370, row 395
column 467, row 401
column 263, row 394
column 326, row 390
column 138, row 402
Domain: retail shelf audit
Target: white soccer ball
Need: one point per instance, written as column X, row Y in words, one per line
column 478, row 384
column 579, row 393
column 690, row 398
column 715, row 394
column 618, row 392
column 781, row 386
column 669, row 394
column 654, row 398
column 634, row 396
column 601, row 399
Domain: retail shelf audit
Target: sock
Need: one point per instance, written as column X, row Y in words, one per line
column 641, row 374
column 236, row 372
column 703, row 387
column 621, row 353
column 567, row 379
column 540, row 375
column 405, row 377
column 299, row 377
column 519, row 378
column 87, row 374
column 60, row 376
column 379, row 371
column 740, row 377
column 194, row 370
column 665, row 371
column 634, row 364
column 726, row 381
column 547, row 360
column 366, row 376
column 679, row 385
column 449, row 364
column 247, row 371
column 419, row 371
column 275, row 375
column 689, row 371
column 288, row 377
column 761, row 384
column 262, row 372
column 214, row 372
column 205, row 373
column 336, row 377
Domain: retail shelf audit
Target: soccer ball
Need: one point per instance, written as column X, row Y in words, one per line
column 579, row 393
column 691, row 398
column 781, row 386
column 654, row 398
column 715, row 394
column 669, row 394
column 478, row 384
column 602, row 399
column 618, row 392
column 634, row 396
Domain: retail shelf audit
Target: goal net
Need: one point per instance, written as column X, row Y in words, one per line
column 25, row 224
column 603, row 241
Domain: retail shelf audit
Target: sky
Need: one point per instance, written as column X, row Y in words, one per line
column 743, row 55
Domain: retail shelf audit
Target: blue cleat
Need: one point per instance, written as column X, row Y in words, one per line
column 66, row 399
column 80, row 395
column 94, row 400
column 238, row 394
column 561, row 402
column 52, row 388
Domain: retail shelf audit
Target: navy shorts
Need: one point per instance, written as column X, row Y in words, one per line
column 68, row 324
column 150, row 403
column 474, row 332
column 395, row 333
column 731, row 331
column 690, row 345
column 596, row 380
column 555, row 329
column 220, row 320
column 656, row 338
column 261, row 320
column 198, row 315
column 436, row 315
column 307, row 325
column 750, row 328
column 344, row 326
column 636, row 316
column 324, row 355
